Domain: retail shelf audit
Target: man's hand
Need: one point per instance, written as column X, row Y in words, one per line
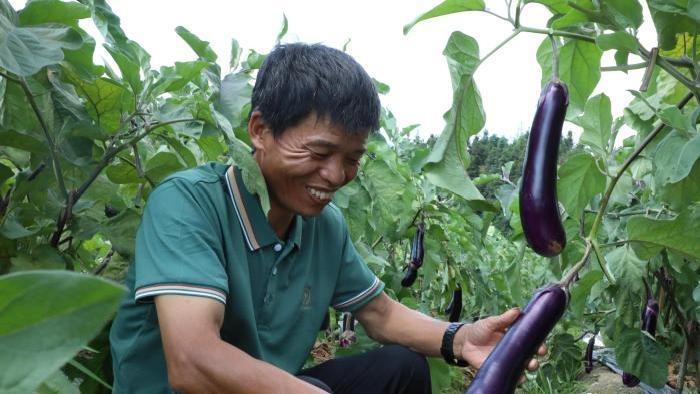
column 474, row 342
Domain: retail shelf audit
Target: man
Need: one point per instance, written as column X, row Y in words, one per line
column 224, row 298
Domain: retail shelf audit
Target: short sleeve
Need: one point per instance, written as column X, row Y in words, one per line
column 356, row 284
column 178, row 245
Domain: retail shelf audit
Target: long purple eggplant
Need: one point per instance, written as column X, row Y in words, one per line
column 455, row 307
column 417, row 253
column 500, row 372
column 589, row 354
column 650, row 313
column 539, row 211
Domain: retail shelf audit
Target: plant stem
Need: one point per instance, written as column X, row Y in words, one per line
column 496, row 15
column 499, row 46
column 601, row 261
column 625, row 165
column 52, row 147
column 559, row 33
column 627, row 67
column 683, row 368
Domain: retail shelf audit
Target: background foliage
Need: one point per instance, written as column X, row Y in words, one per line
column 82, row 145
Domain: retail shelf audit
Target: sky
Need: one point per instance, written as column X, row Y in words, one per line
column 412, row 65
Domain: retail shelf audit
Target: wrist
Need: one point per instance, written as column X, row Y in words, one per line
column 458, row 343
column 451, row 351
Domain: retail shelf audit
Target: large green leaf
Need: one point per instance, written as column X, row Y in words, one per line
column 451, row 175
column 579, row 181
column 620, row 40
column 121, row 231
column 445, row 8
column 642, row 356
column 675, row 157
column 242, row 157
column 161, row 165
column 627, row 269
column 579, row 68
column 26, row 50
column 106, row 100
column 175, row 78
column 46, row 317
column 683, row 193
column 597, row 124
column 670, row 19
column 38, row 12
column 200, row 47
column 233, row 97
column 579, row 292
column 681, row 234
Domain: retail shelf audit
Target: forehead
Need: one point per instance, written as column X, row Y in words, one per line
column 322, row 132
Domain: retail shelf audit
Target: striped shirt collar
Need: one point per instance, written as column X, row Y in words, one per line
column 254, row 225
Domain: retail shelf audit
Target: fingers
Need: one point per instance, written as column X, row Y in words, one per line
column 522, row 379
column 542, row 351
column 533, row 365
column 503, row 321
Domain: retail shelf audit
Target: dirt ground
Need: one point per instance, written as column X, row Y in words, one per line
column 603, row 381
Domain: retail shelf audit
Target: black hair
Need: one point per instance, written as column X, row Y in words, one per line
column 298, row 79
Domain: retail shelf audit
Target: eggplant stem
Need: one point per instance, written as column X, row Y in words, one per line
column 569, row 277
column 650, row 69
column 555, row 58
column 499, row 46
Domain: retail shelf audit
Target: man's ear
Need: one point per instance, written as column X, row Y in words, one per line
column 257, row 129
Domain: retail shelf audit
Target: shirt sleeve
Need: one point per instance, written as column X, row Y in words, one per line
column 178, row 245
column 356, row 284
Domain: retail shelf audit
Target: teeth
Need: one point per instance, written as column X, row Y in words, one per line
column 320, row 195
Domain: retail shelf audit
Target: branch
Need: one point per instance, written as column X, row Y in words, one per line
column 499, row 46
column 497, row 16
column 569, row 278
column 559, row 33
column 52, row 147
column 625, row 165
column 112, row 151
column 103, row 264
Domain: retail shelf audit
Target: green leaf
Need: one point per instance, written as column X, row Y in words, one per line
column 200, row 47
column 679, row 234
column 121, row 231
column 450, row 174
column 579, row 292
column 624, row 13
column 161, row 165
column 694, row 10
column 253, row 179
column 670, row 21
column 579, row 68
column 175, row 78
column 106, row 100
column 642, row 356
column 627, row 269
column 579, row 181
column 554, row 6
column 46, row 317
column 129, row 67
column 38, row 12
column 235, row 54
column 445, row 8
column 123, row 173
column 673, row 117
column 620, row 40
column 5, row 173
column 26, row 50
column 675, row 157
column 234, row 95
column 597, row 124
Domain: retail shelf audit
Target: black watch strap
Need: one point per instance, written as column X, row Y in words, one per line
column 448, row 344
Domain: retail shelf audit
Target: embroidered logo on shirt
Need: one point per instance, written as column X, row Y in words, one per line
column 306, row 301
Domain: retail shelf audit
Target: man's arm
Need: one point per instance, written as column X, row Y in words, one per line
column 199, row 361
column 388, row 321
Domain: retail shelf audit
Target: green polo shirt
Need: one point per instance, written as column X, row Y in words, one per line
column 203, row 234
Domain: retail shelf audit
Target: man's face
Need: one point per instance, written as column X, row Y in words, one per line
column 307, row 163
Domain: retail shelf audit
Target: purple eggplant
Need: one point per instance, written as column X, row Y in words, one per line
column 417, row 253
column 539, row 211
column 629, row 380
column 500, row 372
column 589, row 354
column 455, row 307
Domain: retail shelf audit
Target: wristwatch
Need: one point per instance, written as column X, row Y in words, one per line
column 447, row 345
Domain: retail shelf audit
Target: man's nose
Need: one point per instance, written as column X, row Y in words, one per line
column 334, row 173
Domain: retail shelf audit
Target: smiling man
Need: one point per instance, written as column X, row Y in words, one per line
column 225, row 299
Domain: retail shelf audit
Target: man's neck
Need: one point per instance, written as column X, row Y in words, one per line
column 280, row 221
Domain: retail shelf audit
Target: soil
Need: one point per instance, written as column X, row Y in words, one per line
column 601, row 380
